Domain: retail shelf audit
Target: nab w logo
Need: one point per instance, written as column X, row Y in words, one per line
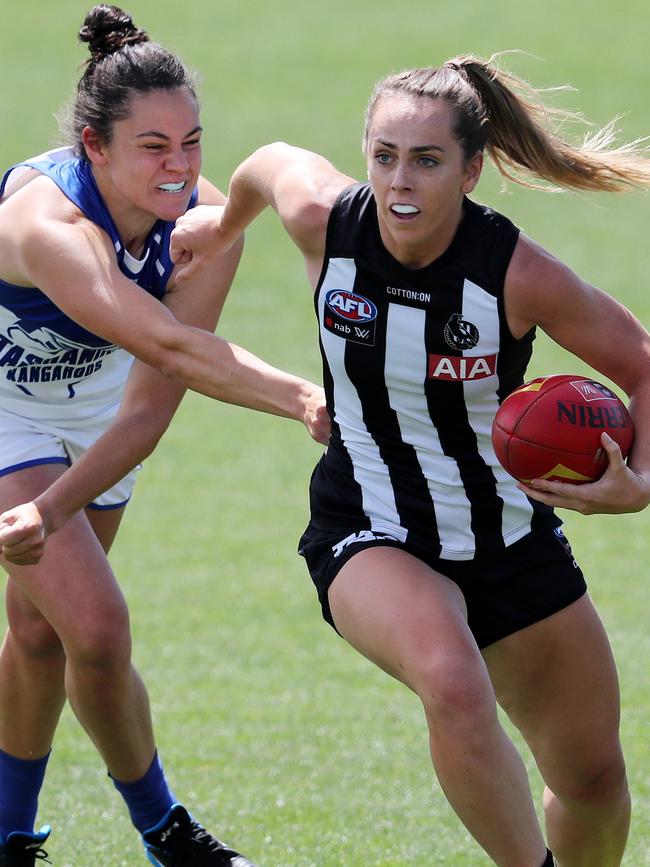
column 350, row 306
column 350, row 316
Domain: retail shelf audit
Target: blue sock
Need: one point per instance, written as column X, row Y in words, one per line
column 147, row 799
column 20, row 785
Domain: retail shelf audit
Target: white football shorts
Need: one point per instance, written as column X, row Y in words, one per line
column 28, row 443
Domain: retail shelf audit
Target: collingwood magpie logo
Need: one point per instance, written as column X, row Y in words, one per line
column 459, row 333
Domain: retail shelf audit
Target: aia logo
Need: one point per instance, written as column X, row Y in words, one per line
column 348, row 305
column 454, row 369
column 459, row 333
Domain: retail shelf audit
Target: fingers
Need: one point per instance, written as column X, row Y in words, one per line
column 185, row 272
column 613, row 450
column 20, row 555
column 22, row 535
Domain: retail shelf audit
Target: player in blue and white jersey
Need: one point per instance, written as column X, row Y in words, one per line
column 86, row 283
column 428, row 558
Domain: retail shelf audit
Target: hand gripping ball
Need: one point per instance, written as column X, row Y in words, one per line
column 550, row 428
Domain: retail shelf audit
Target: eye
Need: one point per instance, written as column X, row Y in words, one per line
column 383, row 158
column 427, row 162
column 192, row 143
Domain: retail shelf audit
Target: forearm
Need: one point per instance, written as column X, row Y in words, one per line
column 124, row 445
column 639, row 459
column 212, row 366
column 248, row 195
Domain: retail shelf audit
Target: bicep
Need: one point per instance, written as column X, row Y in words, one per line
column 584, row 320
column 75, row 266
column 302, row 188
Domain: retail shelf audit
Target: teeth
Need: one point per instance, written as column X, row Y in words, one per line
column 404, row 209
column 172, row 188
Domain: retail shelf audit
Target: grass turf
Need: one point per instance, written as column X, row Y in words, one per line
column 272, row 730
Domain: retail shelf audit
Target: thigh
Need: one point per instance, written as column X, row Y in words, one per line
column 401, row 614
column 72, row 586
column 558, row 683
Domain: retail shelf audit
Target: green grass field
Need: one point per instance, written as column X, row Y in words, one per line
column 273, row 731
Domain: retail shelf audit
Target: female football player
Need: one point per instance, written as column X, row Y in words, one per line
column 428, row 558
column 86, row 279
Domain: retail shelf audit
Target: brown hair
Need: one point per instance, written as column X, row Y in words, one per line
column 499, row 112
column 123, row 62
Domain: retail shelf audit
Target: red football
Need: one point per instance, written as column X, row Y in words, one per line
column 550, row 428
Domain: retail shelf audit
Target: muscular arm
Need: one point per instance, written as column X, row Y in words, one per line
column 592, row 325
column 299, row 185
column 148, row 405
column 72, row 260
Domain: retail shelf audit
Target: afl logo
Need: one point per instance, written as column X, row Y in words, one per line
column 354, row 308
column 459, row 333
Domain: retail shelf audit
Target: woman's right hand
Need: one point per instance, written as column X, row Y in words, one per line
column 196, row 238
column 22, row 535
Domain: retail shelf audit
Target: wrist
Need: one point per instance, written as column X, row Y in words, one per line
column 49, row 515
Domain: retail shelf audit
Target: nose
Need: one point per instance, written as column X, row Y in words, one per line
column 401, row 179
column 177, row 161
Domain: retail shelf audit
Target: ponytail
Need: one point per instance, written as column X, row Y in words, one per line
column 499, row 112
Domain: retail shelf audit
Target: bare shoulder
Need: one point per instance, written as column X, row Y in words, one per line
column 537, row 286
column 18, row 179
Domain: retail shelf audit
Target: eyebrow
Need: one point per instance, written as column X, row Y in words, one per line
column 419, row 149
column 152, row 133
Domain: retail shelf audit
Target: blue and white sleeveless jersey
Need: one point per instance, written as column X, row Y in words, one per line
column 51, row 368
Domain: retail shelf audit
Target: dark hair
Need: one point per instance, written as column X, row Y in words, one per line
column 123, row 62
column 499, row 112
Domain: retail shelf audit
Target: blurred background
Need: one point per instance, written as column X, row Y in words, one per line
column 274, row 733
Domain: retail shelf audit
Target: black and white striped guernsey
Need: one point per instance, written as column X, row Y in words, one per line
column 415, row 364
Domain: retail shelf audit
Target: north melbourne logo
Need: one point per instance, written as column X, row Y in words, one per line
column 459, row 333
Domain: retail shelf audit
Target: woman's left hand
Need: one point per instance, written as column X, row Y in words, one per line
column 22, row 535
column 618, row 491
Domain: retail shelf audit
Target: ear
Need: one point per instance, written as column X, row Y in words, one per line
column 473, row 171
column 94, row 146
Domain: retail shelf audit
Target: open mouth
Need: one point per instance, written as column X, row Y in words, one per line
column 404, row 210
column 172, row 188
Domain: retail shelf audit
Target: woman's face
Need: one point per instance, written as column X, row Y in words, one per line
column 419, row 175
column 153, row 161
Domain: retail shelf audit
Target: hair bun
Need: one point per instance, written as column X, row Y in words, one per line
column 107, row 29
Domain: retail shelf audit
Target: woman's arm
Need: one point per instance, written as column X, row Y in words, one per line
column 149, row 402
column 299, row 185
column 595, row 327
column 45, row 243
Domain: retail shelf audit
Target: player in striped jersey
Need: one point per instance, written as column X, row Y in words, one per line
column 427, row 557
column 84, row 267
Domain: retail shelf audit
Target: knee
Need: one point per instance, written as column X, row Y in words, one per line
column 32, row 636
column 102, row 641
column 455, row 692
column 599, row 781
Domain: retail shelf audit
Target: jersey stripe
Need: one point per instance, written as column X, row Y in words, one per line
column 415, row 365
column 378, row 501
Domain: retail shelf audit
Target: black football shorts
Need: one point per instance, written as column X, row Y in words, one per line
column 505, row 592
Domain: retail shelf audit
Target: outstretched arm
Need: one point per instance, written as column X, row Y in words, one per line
column 299, row 185
column 148, row 405
column 48, row 244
